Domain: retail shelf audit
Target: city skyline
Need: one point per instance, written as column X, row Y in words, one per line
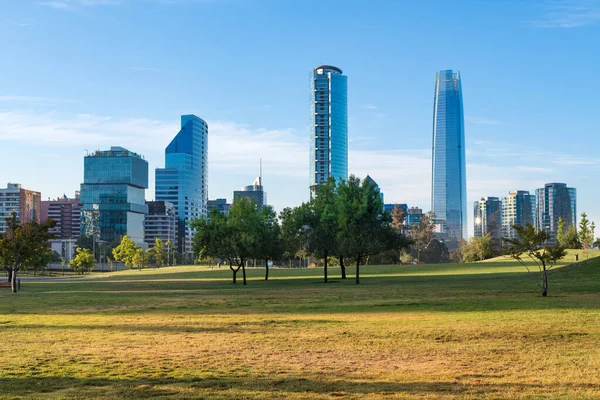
column 51, row 111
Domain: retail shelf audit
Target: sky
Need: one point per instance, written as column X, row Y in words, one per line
column 81, row 75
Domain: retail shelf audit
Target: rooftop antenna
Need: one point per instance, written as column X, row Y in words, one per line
column 260, row 172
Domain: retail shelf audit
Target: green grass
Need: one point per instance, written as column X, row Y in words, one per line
column 458, row 331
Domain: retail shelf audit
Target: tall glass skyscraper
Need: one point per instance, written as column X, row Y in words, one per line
column 113, row 195
column 518, row 209
column 184, row 180
column 329, row 124
column 449, row 182
column 555, row 201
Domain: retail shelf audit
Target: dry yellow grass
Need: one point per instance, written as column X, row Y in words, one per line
column 453, row 331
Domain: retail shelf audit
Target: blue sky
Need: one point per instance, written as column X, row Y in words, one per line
column 87, row 74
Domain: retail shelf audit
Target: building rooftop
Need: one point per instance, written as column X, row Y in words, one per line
column 115, row 151
column 329, row 67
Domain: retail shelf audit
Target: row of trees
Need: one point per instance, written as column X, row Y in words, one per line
column 345, row 220
column 133, row 255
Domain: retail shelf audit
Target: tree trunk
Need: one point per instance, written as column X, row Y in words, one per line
column 234, row 272
column 244, row 271
column 266, row 269
column 9, row 274
column 13, row 281
column 325, row 267
column 342, row 267
column 545, row 282
column 357, row 270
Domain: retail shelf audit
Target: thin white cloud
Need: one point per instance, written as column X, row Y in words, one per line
column 482, row 121
column 570, row 14
column 369, row 107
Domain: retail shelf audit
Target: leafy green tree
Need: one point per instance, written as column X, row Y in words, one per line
column 244, row 227
column 322, row 222
column 560, row 230
column 586, row 232
column 170, row 252
column 22, row 244
column 139, row 259
column 125, row 251
column 270, row 245
column 83, row 260
column 533, row 245
column 570, row 239
column 294, row 230
column 478, row 249
column 365, row 229
column 214, row 238
column 158, row 253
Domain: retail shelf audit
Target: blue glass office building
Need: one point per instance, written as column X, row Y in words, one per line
column 113, row 195
column 449, row 184
column 184, row 180
column 329, row 124
column 555, row 201
column 518, row 209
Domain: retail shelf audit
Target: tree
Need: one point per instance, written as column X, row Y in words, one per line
column 365, row 229
column 570, row 239
column 244, row 223
column 158, row 253
column 215, row 238
column 422, row 233
column 322, row 222
column 435, row 252
column 139, row 258
column 398, row 217
column 125, row 251
column 270, row 246
column 533, row 245
column 170, row 250
column 294, row 230
column 21, row 245
column 586, row 232
column 477, row 249
column 83, row 260
column 560, row 230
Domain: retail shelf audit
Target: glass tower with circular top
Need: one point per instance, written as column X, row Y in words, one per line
column 449, row 182
column 329, row 124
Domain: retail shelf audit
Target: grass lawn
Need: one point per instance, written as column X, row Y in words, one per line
column 457, row 331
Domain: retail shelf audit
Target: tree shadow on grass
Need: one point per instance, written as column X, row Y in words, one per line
column 280, row 387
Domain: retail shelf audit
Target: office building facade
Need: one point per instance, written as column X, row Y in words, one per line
column 220, row 205
column 414, row 216
column 26, row 204
column 329, row 124
column 184, row 180
column 449, row 186
column 113, row 195
column 555, row 201
column 160, row 222
column 67, row 214
column 255, row 192
column 518, row 209
column 487, row 218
